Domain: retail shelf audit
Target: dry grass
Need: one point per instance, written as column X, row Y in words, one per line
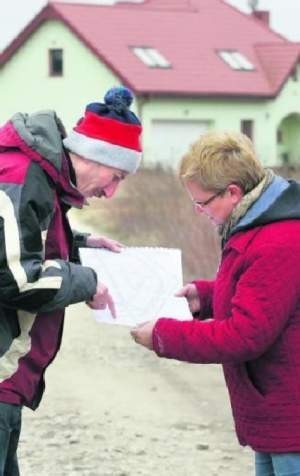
column 152, row 209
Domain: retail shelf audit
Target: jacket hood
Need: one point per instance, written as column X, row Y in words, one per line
column 39, row 136
column 43, row 132
column 280, row 201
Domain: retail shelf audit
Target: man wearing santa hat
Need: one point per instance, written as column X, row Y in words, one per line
column 43, row 173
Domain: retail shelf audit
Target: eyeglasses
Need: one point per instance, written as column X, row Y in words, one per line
column 204, row 203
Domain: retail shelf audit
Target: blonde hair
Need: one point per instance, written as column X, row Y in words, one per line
column 220, row 158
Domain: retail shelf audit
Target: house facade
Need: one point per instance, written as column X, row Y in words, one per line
column 186, row 78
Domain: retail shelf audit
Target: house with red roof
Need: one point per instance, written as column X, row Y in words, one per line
column 192, row 64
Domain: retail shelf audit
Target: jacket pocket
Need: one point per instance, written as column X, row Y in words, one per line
column 251, row 383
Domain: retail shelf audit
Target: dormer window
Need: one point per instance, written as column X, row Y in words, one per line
column 55, row 62
column 236, row 60
column 151, row 57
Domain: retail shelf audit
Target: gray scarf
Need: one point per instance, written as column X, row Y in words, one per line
column 243, row 206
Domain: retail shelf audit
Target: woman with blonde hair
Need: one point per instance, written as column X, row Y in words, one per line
column 248, row 317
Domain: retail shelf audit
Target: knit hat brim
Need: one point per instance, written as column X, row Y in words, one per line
column 103, row 152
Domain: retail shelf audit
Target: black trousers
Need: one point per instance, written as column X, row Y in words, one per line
column 10, row 427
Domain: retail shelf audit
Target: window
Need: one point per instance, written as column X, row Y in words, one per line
column 247, row 128
column 151, row 57
column 55, row 62
column 236, row 60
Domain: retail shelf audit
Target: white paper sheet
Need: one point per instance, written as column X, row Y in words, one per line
column 142, row 282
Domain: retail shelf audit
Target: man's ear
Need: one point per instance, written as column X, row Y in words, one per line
column 236, row 193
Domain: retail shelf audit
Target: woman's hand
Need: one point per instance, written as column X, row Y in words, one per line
column 142, row 334
column 190, row 292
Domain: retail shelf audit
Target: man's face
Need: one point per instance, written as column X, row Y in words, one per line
column 97, row 180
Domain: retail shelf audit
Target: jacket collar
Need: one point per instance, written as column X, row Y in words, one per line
column 263, row 203
column 240, row 241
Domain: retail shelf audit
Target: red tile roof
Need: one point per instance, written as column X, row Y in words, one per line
column 188, row 33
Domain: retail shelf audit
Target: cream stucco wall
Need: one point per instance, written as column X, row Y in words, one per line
column 227, row 114
column 25, row 85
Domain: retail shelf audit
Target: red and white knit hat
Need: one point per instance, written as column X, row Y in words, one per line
column 109, row 133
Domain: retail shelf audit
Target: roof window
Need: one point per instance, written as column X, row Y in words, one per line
column 151, row 57
column 236, row 60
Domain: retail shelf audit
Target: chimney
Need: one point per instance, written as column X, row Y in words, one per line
column 262, row 15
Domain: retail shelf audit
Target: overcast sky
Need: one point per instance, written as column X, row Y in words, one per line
column 285, row 15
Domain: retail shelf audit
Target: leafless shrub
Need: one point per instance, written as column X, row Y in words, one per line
column 288, row 171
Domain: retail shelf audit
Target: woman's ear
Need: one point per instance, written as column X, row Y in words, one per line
column 236, row 193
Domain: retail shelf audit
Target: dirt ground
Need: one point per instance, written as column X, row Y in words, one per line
column 112, row 408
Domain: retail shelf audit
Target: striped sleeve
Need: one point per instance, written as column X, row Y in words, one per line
column 27, row 281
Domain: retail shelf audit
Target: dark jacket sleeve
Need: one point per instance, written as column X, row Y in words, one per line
column 79, row 241
column 266, row 295
column 27, row 280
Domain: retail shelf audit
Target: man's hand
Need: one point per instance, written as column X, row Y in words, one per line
column 103, row 299
column 94, row 241
column 190, row 292
column 142, row 334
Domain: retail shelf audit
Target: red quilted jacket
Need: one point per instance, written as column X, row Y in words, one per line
column 254, row 331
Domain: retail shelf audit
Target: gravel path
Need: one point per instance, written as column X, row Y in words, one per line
column 112, row 408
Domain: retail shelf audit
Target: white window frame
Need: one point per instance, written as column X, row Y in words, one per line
column 236, row 60
column 151, row 57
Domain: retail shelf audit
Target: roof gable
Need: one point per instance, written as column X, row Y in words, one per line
column 181, row 31
column 278, row 61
